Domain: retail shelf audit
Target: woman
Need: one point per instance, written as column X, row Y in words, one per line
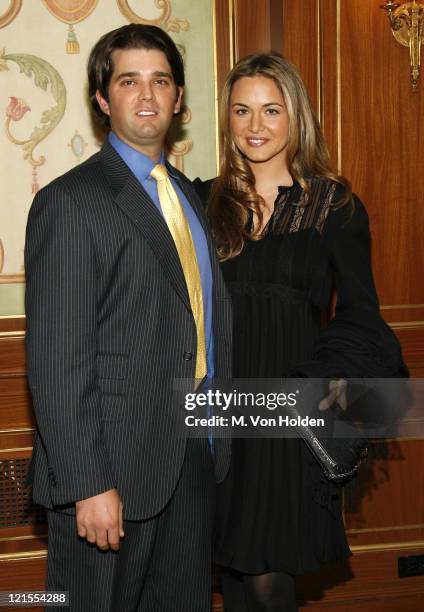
column 287, row 230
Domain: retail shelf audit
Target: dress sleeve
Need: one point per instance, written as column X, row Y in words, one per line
column 356, row 342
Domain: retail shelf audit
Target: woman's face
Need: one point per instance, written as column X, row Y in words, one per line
column 259, row 121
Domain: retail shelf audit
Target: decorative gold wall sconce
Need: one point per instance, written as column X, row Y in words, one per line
column 407, row 23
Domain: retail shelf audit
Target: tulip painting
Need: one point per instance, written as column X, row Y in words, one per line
column 17, row 108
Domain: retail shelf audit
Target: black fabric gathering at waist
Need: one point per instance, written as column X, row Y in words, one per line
column 260, row 289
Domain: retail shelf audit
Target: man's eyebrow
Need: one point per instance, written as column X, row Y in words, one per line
column 159, row 73
column 126, row 74
column 135, row 73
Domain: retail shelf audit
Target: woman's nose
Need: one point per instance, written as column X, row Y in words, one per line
column 256, row 124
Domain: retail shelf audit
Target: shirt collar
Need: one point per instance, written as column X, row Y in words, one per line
column 141, row 165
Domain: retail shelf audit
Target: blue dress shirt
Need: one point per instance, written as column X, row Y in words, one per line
column 141, row 165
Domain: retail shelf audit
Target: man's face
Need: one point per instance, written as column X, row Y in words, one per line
column 143, row 98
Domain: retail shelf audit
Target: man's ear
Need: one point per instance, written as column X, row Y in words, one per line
column 103, row 103
column 180, row 93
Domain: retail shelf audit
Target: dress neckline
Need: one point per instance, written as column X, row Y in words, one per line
column 287, row 188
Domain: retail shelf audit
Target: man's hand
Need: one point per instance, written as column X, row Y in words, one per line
column 99, row 519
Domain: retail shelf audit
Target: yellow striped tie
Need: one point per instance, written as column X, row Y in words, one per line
column 180, row 232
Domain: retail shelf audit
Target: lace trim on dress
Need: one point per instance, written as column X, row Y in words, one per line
column 297, row 219
column 296, row 209
column 325, row 209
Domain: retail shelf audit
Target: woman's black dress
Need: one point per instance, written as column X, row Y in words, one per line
column 276, row 511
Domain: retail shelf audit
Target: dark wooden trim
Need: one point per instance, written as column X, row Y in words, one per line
column 12, row 324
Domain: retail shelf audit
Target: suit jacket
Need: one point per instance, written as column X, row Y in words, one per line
column 109, row 326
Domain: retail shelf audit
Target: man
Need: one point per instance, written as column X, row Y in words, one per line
column 124, row 295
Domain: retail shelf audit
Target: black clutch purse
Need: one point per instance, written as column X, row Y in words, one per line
column 339, row 458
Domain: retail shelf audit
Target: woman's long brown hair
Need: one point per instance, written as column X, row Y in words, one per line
column 233, row 196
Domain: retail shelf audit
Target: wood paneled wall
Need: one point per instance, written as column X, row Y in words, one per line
column 23, row 533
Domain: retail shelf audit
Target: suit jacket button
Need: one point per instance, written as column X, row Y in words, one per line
column 52, row 477
column 188, row 356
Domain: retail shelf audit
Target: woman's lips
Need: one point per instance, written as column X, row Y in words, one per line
column 256, row 142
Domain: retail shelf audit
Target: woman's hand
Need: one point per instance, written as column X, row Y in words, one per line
column 337, row 393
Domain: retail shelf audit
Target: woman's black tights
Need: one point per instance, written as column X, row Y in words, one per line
column 273, row 592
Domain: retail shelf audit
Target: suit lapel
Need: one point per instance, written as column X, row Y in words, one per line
column 133, row 200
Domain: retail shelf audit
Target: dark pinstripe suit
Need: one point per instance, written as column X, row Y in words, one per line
column 109, row 326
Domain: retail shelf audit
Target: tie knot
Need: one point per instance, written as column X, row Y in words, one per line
column 159, row 172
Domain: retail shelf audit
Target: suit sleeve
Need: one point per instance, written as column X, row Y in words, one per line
column 356, row 342
column 61, row 343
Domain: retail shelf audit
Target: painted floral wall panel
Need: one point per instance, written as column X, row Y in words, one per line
column 47, row 129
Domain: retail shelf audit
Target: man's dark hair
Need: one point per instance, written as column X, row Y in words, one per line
column 132, row 36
